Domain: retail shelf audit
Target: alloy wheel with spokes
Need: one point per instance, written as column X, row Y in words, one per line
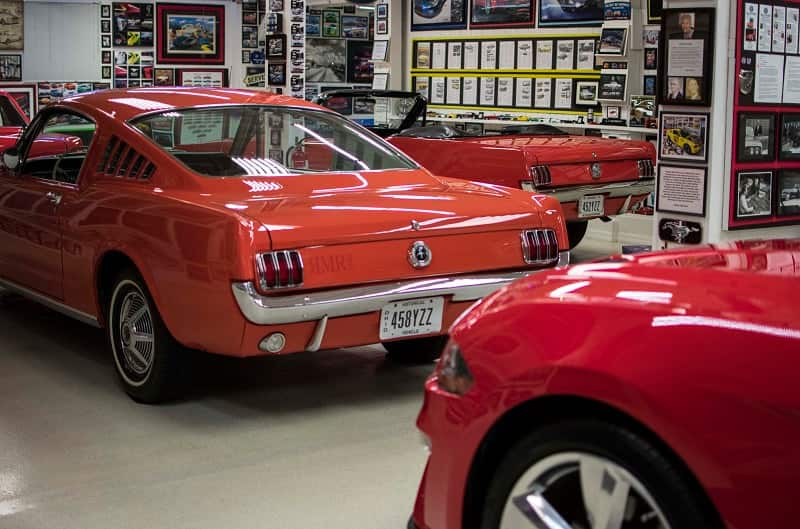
column 135, row 335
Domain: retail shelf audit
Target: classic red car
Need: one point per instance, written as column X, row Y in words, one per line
column 649, row 391
column 592, row 177
column 174, row 227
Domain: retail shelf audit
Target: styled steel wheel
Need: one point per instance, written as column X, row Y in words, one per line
column 574, row 489
column 135, row 337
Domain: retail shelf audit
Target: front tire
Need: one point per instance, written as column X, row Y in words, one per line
column 146, row 356
column 583, row 470
column 576, row 231
column 415, row 350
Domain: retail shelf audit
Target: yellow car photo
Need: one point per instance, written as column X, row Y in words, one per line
column 684, row 140
column 133, row 38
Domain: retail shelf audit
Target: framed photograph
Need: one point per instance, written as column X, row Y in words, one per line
column 650, row 58
column 687, row 37
column 10, row 67
column 654, row 9
column 586, row 93
column 164, row 77
column 753, row 194
column 245, row 56
column 501, row 14
column 681, row 189
column 105, row 26
column 380, row 81
column 756, row 137
column 25, row 95
column 442, row 14
column 250, row 18
column 202, row 77
column 250, row 37
column 101, row 86
column 643, row 111
column 354, row 27
column 382, row 11
column 790, row 137
column 276, row 47
column 788, row 193
column 613, row 41
column 275, row 137
column 191, row 33
column 613, row 112
column 276, row 74
column 105, row 11
column 650, row 37
column 313, row 25
column 13, row 35
column 331, row 24
column 132, row 24
column 320, row 55
column 359, row 61
column 105, row 72
column 134, row 72
column 684, row 137
column 612, row 87
column 105, row 41
column 276, row 5
column 382, row 27
column 105, row 57
column 564, row 13
column 650, row 85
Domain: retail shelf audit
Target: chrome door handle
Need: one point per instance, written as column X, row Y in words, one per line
column 55, row 198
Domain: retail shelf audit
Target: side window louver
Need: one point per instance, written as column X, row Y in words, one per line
column 122, row 161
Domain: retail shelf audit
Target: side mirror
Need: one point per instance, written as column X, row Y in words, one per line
column 11, row 158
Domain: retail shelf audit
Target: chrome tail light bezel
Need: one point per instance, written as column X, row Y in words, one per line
column 541, row 176
column 540, row 247
column 270, row 263
column 647, row 168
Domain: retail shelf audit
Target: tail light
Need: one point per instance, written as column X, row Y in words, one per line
column 282, row 269
column 646, row 169
column 540, row 247
column 540, row 174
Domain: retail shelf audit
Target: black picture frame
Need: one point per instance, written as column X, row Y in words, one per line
column 754, row 144
column 276, row 5
column 331, row 23
column 650, row 85
column 313, row 25
column 687, row 82
column 787, row 193
column 105, row 41
column 650, row 58
column 654, row 11
column 276, row 47
column 382, row 11
column 133, row 24
column 684, row 137
column 245, row 56
column 613, row 87
column 11, row 67
column 105, row 26
column 359, row 62
column 661, row 182
column 422, row 12
column 754, row 191
column 276, row 74
column 105, row 72
column 105, row 11
column 790, row 137
column 613, row 41
column 484, row 15
column 549, row 13
column 105, row 57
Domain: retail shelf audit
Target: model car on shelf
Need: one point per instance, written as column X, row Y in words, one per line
column 663, row 393
column 173, row 228
column 592, row 177
column 685, row 140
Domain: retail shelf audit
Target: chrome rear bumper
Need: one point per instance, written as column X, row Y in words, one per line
column 612, row 190
column 319, row 306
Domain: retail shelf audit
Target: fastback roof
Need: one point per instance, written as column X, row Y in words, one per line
column 126, row 104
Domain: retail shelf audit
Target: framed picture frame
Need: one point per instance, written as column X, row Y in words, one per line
column 684, row 137
column 105, row 41
column 105, row 25
column 249, row 18
column 756, row 133
column 753, row 195
column 650, row 56
column 428, row 16
column 550, row 13
column 164, row 77
column 25, row 95
column 11, row 67
column 613, row 112
column 790, row 137
column 105, row 57
column 788, row 193
column 650, row 37
column 501, row 15
column 276, row 47
column 586, row 93
column 276, row 74
column 105, row 11
column 382, row 27
column 613, row 41
column 359, row 61
column 382, row 11
column 331, row 23
column 355, row 27
column 313, row 25
column 643, row 111
column 276, row 5
column 202, row 77
column 687, row 44
column 245, row 56
column 250, row 37
column 654, row 9
column 13, row 25
column 681, row 189
column 650, row 85
column 191, row 33
column 613, row 87
column 132, row 24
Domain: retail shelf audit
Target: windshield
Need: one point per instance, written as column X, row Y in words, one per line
column 249, row 140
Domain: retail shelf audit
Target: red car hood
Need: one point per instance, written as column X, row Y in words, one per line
column 548, row 150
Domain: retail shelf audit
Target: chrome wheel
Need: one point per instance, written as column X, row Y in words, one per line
column 134, row 336
column 576, row 490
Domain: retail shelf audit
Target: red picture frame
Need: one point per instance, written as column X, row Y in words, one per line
column 190, row 33
column 26, row 95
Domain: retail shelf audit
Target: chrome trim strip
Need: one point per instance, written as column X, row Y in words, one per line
column 319, row 333
column 314, row 306
column 50, row 303
column 612, row 190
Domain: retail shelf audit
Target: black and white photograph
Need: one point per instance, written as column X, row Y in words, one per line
column 684, row 137
column 326, row 60
column 788, row 193
column 586, row 93
column 753, row 194
column 756, row 137
column 613, row 41
column 790, row 137
column 612, row 87
column 10, row 67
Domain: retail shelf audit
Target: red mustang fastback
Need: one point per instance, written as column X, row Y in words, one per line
column 591, row 177
column 199, row 219
column 656, row 391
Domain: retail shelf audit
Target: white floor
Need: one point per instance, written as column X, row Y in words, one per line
column 305, row 441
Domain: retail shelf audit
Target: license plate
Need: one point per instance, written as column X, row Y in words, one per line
column 412, row 317
column 591, row 206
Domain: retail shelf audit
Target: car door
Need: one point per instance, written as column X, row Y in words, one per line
column 31, row 197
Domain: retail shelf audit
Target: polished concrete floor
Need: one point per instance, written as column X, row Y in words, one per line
column 304, row 441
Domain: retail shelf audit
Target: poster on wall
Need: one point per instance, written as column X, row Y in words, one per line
column 684, row 137
column 325, row 60
column 525, row 55
column 24, row 95
column 500, row 14
column 470, row 93
column 12, row 35
column 438, row 14
column 544, row 88
column 617, row 10
column 471, row 55
column 524, row 92
column 505, row 92
column 564, row 13
column 688, row 51
column 681, row 189
column 191, row 33
column 563, row 93
column 133, row 24
column 359, row 61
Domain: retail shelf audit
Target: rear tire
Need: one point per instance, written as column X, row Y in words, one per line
column 575, row 232
column 146, row 356
column 415, row 350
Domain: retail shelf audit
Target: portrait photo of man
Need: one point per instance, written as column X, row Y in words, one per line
column 675, row 89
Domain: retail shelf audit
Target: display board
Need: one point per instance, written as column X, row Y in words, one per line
column 765, row 170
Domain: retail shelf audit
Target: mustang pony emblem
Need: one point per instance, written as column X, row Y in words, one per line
column 419, row 255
